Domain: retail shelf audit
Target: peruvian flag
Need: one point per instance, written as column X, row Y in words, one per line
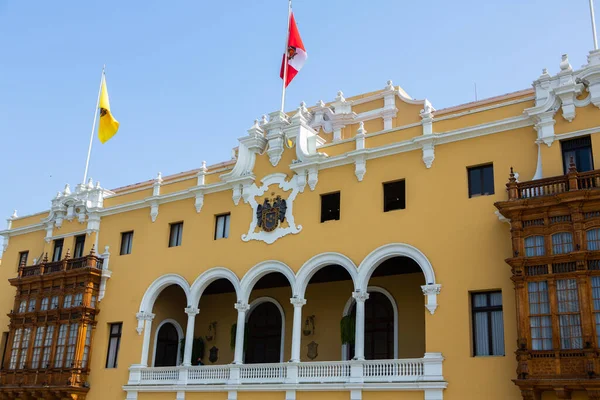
column 296, row 53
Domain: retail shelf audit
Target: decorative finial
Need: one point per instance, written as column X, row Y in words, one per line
column 564, row 64
column 45, row 260
column 14, row 214
column 390, row 85
column 67, row 190
column 90, row 184
column 361, row 128
column 340, row 96
column 93, row 250
column 263, row 119
column 159, row 177
column 320, row 103
column 203, row 164
column 58, row 194
column 68, row 255
column 97, row 184
column 255, row 124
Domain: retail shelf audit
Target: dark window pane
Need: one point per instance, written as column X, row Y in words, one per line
column 394, row 196
column 481, row 180
column 580, row 151
column 488, row 325
column 58, row 246
column 330, row 207
column 176, row 234
column 79, row 244
column 126, row 242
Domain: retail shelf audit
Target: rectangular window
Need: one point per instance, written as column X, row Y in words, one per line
column 569, row 319
column 44, row 304
column 78, row 300
column 24, row 347
column 394, row 196
column 86, row 346
column 47, row 347
column 126, row 242
column 69, row 362
column 580, row 150
column 534, row 246
column 23, row 258
column 114, row 342
column 176, row 234
column 31, row 305
column 23, row 306
column 562, row 243
column 593, row 239
column 67, row 303
column 60, row 346
column 58, row 246
column 37, row 347
column 79, row 245
column 93, row 302
column 481, row 180
column 596, row 305
column 54, row 303
column 222, row 226
column 540, row 320
column 330, row 207
column 14, row 354
column 488, row 325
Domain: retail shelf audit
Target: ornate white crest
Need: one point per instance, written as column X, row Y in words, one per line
column 252, row 192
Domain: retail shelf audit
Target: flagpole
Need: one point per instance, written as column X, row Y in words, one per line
column 593, row 24
column 87, row 163
column 285, row 60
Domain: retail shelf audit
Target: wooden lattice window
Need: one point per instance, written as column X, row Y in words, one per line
column 534, row 246
column 47, row 347
column 596, row 304
column 37, row 347
column 562, row 243
column 593, row 239
column 540, row 319
column 569, row 318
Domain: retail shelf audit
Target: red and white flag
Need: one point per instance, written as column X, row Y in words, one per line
column 296, row 55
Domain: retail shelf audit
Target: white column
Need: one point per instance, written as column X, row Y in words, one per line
column 297, row 327
column 242, row 308
column 359, row 337
column 147, row 318
column 189, row 335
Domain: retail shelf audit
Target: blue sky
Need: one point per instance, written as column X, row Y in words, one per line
column 187, row 78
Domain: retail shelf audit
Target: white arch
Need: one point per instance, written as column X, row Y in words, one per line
column 383, row 253
column 374, row 289
column 257, row 302
column 179, row 339
column 261, row 269
column 319, row 261
column 158, row 286
column 208, row 277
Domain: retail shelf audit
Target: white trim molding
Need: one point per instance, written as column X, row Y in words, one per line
column 314, row 264
column 266, row 299
column 179, row 338
column 261, row 269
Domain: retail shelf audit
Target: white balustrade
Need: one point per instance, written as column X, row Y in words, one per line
column 209, row 375
column 263, row 373
column 393, row 370
column 320, row 372
column 159, row 376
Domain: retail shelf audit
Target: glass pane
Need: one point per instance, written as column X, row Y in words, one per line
column 475, row 187
column 496, row 298
column 226, row 233
column 220, row 226
column 480, row 299
column 497, row 333
column 482, row 347
column 488, row 179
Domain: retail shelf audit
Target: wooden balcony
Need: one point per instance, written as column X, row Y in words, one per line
column 67, row 264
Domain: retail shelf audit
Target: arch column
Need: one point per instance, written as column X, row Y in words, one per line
column 146, row 319
column 297, row 327
column 241, row 308
column 359, row 336
column 189, row 334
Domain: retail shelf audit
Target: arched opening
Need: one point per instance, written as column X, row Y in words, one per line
column 265, row 331
column 167, row 346
column 402, row 278
column 379, row 328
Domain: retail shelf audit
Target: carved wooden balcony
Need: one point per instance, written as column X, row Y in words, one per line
column 67, row 264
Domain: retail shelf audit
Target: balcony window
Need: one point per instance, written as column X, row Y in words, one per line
column 114, row 342
column 69, row 362
column 37, row 347
column 569, row 318
column 394, row 196
column 47, row 349
column 593, row 239
column 24, row 347
column 60, row 346
column 222, row 226
column 330, row 207
column 488, row 325
column 481, row 180
column 79, row 245
column 580, row 150
column 540, row 319
column 86, row 346
column 126, row 242
column 534, row 246
column 58, row 247
column 67, row 303
column 31, row 307
column 93, row 302
column 176, row 234
column 54, row 303
column 78, row 300
column 23, row 258
column 16, row 345
column 562, row 243
column 23, row 306
column 44, row 304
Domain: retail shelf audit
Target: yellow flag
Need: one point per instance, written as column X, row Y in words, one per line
column 108, row 126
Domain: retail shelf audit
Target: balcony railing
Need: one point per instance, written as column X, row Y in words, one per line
column 64, row 265
column 572, row 181
column 426, row 369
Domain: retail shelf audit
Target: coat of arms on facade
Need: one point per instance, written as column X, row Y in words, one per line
column 313, row 350
column 213, row 354
column 271, row 213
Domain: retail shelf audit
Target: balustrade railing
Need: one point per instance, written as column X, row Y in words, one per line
column 572, row 181
column 428, row 368
column 67, row 264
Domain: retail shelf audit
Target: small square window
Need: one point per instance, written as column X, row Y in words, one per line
column 176, row 234
column 23, row 258
column 394, row 196
column 126, row 242
column 330, row 207
column 222, row 226
column 481, row 180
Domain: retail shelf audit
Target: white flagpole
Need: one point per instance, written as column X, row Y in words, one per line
column 285, row 60
column 87, row 163
column 593, row 24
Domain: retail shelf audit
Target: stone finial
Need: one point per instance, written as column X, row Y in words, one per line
column 263, row 119
column 14, row 215
column 58, row 194
column 97, row 184
column 428, row 110
column 203, row 166
column 545, row 73
column 565, row 65
column 90, row 183
column 302, row 107
column 255, row 125
column 158, row 177
column 67, row 190
column 389, row 85
column 340, row 96
column 361, row 128
column 320, row 103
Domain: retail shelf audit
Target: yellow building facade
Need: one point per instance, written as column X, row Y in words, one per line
column 349, row 250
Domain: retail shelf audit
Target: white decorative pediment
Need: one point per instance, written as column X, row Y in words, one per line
column 251, row 192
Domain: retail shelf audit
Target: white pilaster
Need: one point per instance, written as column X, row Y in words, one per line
column 359, row 339
column 147, row 318
column 242, row 308
column 189, row 335
column 297, row 328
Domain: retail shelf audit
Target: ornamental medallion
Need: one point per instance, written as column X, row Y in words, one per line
column 271, row 213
